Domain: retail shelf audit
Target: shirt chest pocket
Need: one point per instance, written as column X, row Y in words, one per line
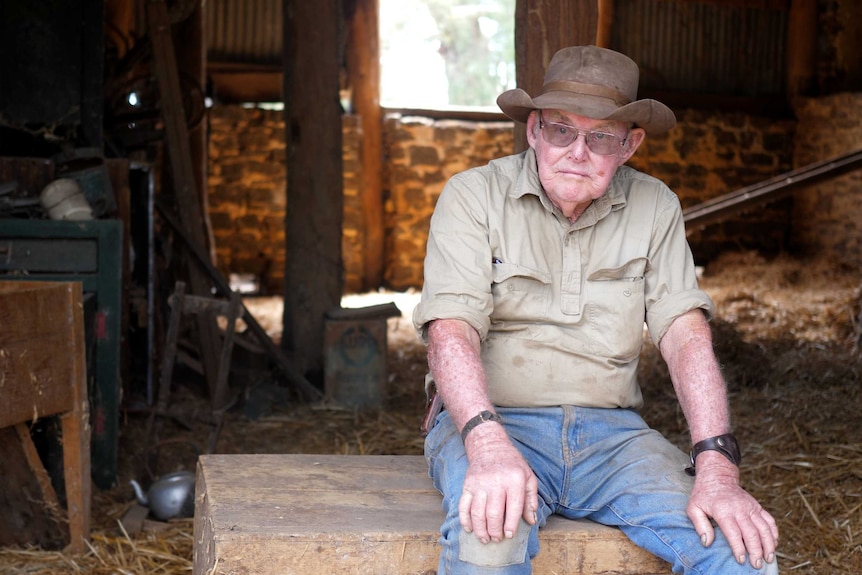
column 520, row 293
column 615, row 309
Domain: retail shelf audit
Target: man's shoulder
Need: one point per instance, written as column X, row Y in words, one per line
column 634, row 177
column 505, row 166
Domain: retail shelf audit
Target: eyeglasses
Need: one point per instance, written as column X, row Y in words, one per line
column 562, row 135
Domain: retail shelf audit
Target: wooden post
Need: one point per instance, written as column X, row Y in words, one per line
column 802, row 49
column 606, row 23
column 541, row 28
column 363, row 65
column 313, row 279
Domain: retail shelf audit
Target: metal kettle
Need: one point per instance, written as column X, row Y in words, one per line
column 171, row 496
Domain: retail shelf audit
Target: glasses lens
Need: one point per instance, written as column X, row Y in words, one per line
column 602, row 143
column 558, row 134
column 561, row 135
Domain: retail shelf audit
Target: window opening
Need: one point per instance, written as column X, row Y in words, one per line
column 438, row 54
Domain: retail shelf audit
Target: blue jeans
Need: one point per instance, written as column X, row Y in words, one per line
column 606, row 465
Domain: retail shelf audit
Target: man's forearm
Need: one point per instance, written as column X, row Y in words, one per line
column 456, row 365
column 700, row 387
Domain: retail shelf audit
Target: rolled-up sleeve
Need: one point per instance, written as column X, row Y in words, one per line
column 457, row 282
column 672, row 288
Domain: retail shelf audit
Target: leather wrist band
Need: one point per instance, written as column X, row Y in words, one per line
column 725, row 444
column 478, row 420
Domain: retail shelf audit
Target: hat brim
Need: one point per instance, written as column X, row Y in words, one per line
column 651, row 115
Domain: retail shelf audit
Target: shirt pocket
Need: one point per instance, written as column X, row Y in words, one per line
column 520, row 293
column 615, row 309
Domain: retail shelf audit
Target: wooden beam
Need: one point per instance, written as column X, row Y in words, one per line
column 363, row 65
column 801, row 48
column 605, row 23
column 541, row 28
column 313, row 278
column 722, row 207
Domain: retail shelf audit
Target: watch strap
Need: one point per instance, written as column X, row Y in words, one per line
column 725, row 444
column 482, row 417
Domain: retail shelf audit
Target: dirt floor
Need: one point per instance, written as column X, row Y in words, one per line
column 787, row 333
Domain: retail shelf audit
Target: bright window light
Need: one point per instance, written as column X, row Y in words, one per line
column 446, row 53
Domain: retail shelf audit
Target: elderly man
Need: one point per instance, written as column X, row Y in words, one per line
column 541, row 270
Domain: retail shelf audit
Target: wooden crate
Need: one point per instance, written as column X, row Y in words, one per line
column 43, row 373
column 359, row 514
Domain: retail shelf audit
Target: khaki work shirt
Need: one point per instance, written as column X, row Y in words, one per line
column 560, row 307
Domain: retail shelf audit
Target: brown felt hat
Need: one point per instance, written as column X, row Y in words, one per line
column 593, row 82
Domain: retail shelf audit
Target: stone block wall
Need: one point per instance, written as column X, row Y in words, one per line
column 705, row 156
column 248, row 194
column 827, row 217
column 421, row 155
column 247, row 186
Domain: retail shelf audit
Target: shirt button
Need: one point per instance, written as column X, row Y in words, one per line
column 627, row 292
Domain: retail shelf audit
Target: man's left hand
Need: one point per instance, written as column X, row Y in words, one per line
column 750, row 530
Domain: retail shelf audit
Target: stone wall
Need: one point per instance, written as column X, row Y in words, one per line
column 248, row 194
column 705, row 156
column 827, row 217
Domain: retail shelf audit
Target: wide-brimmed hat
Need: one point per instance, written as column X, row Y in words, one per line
column 594, row 82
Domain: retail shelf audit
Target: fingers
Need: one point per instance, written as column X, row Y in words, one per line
column 752, row 537
column 762, row 535
column 493, row 517
column 702, row 525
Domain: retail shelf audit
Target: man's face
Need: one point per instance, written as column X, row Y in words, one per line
column 574, row 175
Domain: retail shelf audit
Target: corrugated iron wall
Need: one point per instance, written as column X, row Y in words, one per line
column 733, row 48
column 691, row 46
column 244, row 32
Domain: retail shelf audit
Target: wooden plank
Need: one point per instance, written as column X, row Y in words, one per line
column 308, row 514
column 34, row 350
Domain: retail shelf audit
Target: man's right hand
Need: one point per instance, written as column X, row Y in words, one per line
column 500, row 487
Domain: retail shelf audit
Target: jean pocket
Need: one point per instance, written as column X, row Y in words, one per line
column 507, row 552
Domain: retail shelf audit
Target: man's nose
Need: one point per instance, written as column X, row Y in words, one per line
column 579, row 144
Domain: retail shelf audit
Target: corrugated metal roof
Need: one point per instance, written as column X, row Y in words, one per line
column 244, row 32
column 692, row 46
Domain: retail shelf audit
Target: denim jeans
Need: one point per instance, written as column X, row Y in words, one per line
column 606, row 465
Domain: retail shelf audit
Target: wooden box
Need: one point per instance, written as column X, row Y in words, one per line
column 358, row 514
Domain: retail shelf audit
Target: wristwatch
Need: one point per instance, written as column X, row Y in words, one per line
column 725, row 444
column 477, row 420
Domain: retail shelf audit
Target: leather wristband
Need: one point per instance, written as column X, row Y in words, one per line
column 482, row 417
column 725, row 444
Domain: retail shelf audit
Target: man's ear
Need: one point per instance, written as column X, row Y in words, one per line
column 532, row 128
column 636, row 136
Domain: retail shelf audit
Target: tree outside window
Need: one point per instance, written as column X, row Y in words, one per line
column 446, row 53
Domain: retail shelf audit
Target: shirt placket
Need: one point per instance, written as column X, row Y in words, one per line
column 570, row 288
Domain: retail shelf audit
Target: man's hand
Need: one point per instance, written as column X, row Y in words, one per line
column 499, row 489
column 748, row 527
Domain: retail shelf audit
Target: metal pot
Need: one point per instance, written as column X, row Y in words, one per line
column 171, row 496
